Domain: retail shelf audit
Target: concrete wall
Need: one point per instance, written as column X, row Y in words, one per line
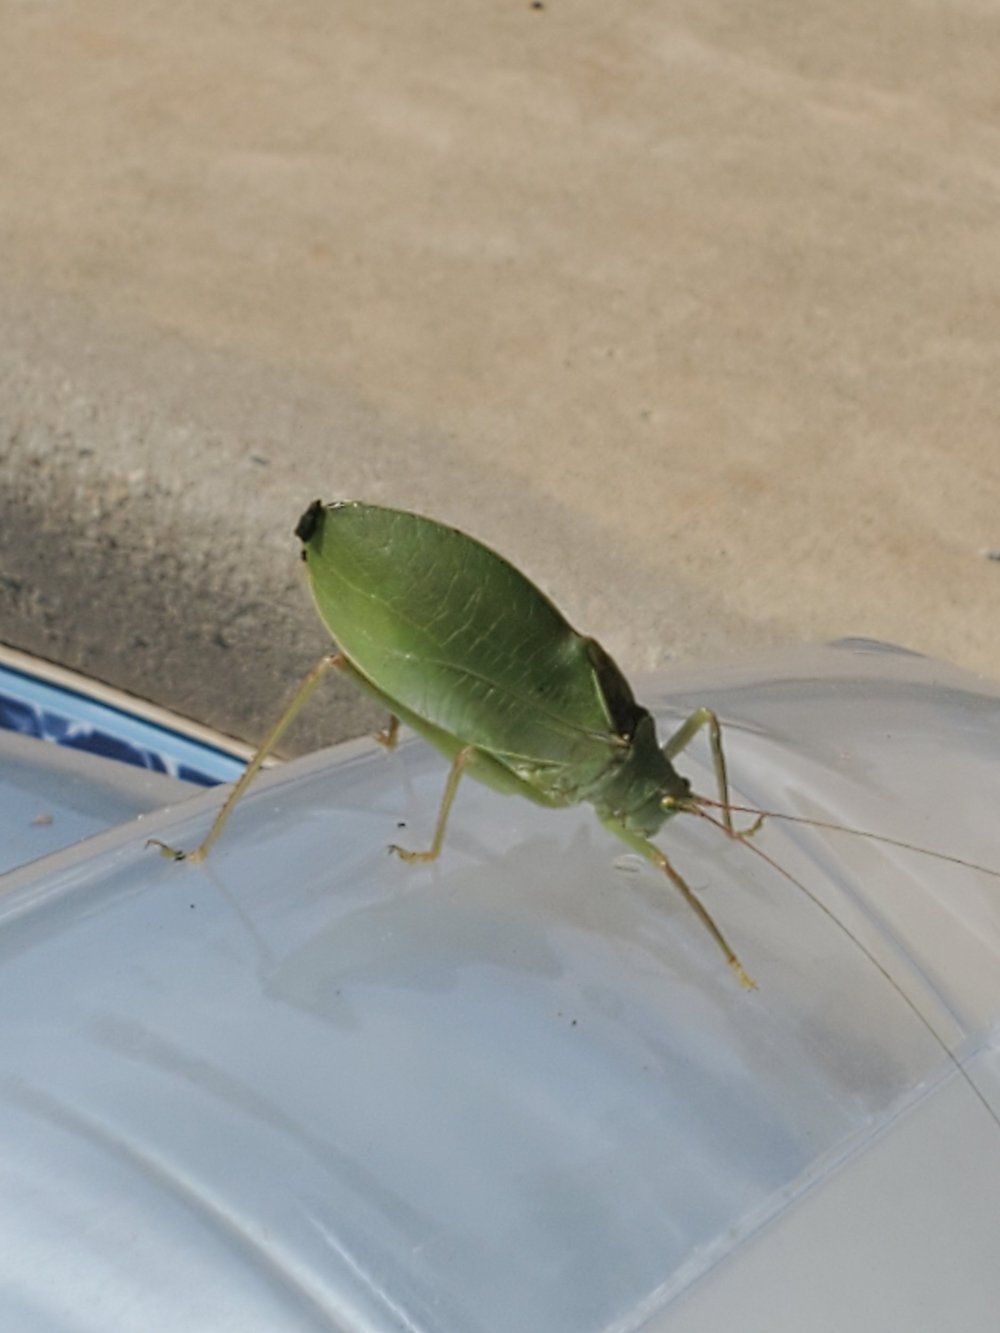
column 691, row 310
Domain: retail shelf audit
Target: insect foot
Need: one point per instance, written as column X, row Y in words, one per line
column 169, row 853
column 410, row 857
column 389, row 736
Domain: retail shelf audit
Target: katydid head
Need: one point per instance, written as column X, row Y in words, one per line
column 679, row 800
column 659, row 803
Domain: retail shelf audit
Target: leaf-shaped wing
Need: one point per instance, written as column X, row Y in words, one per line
column 461, row 638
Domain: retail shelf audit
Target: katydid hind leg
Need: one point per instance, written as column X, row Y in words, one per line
column 298, row 701
column 458, row 765
column 652, row 853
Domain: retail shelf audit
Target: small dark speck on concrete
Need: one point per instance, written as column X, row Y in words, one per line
column 992, row 553
column 537, row 4
column 401, row 823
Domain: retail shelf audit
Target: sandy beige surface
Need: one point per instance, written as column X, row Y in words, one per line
column 692, row 310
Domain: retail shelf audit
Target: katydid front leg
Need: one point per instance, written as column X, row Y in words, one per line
column 652, row 853
column 682, row 738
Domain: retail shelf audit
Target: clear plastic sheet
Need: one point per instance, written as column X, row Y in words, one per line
column 308, row 1086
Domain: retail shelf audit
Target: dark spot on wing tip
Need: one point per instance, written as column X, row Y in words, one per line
column 306, row 527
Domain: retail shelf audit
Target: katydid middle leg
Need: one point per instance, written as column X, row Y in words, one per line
column 389, row 735
column 458, row 764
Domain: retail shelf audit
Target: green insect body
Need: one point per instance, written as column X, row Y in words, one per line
column 454, row 641
column 458, row 644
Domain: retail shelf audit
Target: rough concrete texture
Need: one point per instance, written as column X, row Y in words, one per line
column 693, row 310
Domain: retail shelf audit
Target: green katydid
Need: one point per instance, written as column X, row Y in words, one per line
column 462, row 647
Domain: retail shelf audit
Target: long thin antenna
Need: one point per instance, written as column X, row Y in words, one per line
column 846, row 930
column 706, row 801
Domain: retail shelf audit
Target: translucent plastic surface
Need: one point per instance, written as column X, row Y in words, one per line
column 308, row 1086
column 52, row 797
